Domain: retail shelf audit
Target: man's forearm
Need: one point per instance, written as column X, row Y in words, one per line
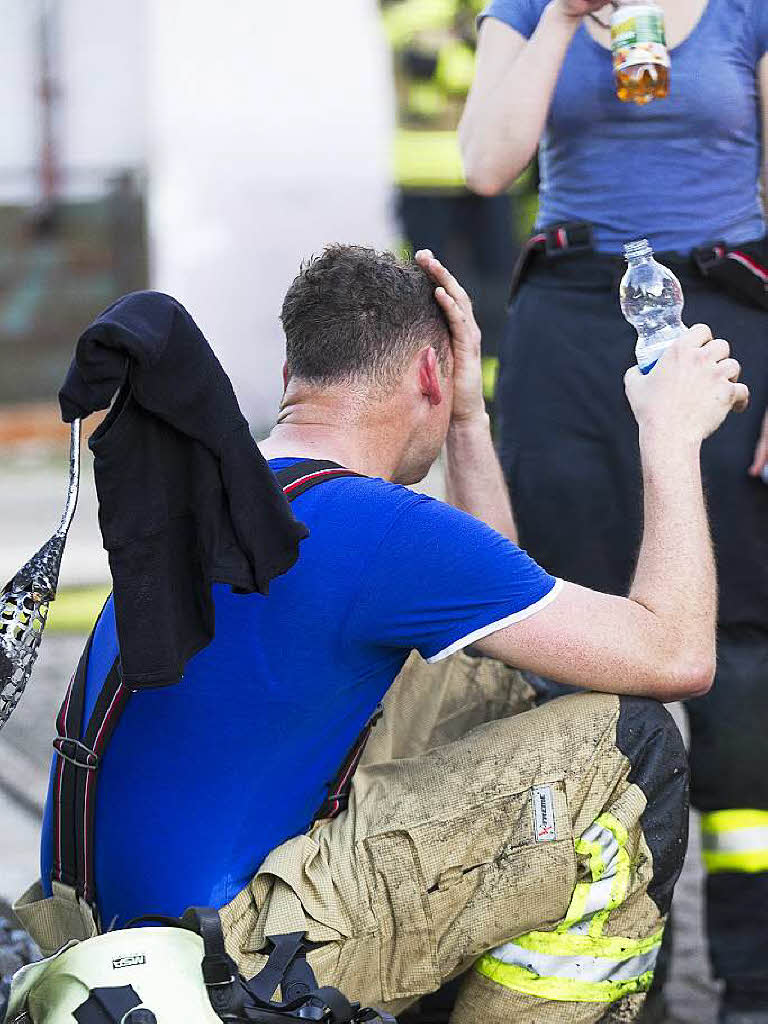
column 675, row 577
column 474, row 481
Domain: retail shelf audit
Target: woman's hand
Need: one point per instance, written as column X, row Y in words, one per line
column 579, row 8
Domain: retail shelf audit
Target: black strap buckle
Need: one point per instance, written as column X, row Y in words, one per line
column 110, row 1006
column 568, row 239
column 284, row 951
column 237, row 1000
column 218, row 967
column 705, row 257
column 76, row 753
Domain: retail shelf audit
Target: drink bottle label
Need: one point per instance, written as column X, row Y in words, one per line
column 638, row 38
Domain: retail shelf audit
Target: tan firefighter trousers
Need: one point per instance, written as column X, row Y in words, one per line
column 534, row 849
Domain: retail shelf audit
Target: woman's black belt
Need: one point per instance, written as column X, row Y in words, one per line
column 741, row 269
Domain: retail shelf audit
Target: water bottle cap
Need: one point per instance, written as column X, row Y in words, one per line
column 634, row 250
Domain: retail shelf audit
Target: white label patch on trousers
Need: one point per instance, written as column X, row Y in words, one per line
column 544, row 825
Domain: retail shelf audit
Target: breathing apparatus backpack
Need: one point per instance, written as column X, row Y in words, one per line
column 179, row 973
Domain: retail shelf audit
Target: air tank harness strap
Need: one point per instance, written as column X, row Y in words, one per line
column 81, row 753
column 76, row 775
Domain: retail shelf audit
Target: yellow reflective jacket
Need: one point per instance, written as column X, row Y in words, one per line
column 433, row 43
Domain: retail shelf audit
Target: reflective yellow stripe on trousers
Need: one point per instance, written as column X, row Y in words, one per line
column 576, row 963
column 735, row 840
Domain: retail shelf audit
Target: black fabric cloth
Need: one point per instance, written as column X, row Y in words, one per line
column 185, row 497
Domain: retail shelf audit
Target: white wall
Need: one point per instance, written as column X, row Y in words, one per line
column 101, row 106
column 270, row 127
column 17, row 99
column 103, row 121
column 266, row 127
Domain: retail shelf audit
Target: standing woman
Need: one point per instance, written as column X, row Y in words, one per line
column 683, row 172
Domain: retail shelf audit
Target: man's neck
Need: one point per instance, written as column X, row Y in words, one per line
column 334, row 432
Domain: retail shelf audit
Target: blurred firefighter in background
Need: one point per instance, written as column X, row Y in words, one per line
column 433, row 43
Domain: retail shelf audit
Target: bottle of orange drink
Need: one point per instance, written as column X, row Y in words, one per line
column 639, row 47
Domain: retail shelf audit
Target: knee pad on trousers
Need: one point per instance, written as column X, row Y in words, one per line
column 648, row 737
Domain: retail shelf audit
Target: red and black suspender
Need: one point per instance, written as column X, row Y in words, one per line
column 74, row 789
column 80, row 753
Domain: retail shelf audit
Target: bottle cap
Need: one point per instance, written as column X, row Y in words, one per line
column 634, row 250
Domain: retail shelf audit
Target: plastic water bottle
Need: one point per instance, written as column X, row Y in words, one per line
column 652, row 301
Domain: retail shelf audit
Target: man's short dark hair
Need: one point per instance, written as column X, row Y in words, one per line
column 353, row 312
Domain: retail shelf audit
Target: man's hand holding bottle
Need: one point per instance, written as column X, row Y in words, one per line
column 690, row 391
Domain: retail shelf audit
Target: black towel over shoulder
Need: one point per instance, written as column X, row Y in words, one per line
column 185, row 497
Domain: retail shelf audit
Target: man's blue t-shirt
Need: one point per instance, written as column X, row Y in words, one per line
column 201, row 780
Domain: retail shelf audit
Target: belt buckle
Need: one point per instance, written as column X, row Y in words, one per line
column 705, row 257
column 564, row 240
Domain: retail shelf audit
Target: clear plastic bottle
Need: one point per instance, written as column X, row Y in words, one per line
column 640, row 56
column 652, row 301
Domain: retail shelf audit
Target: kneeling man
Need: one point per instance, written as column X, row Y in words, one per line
column 536, row 851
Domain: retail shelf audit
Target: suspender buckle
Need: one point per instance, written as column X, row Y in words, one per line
column 76, row 753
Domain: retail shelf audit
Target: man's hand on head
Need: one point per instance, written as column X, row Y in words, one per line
column 468, row 402
column 474, row 481
column 690, row 391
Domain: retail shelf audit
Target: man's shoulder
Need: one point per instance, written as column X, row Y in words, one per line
column 398, row 497
column 365, row 509
column 372, row 498
column 409, row 518
column 368, row 492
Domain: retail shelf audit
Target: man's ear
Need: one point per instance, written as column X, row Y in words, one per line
column 429, row 376
column 286, row 375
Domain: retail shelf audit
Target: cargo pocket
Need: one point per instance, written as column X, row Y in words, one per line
column 292, row 892
column 447, row 890
column 517, row 874
column 407, row 961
